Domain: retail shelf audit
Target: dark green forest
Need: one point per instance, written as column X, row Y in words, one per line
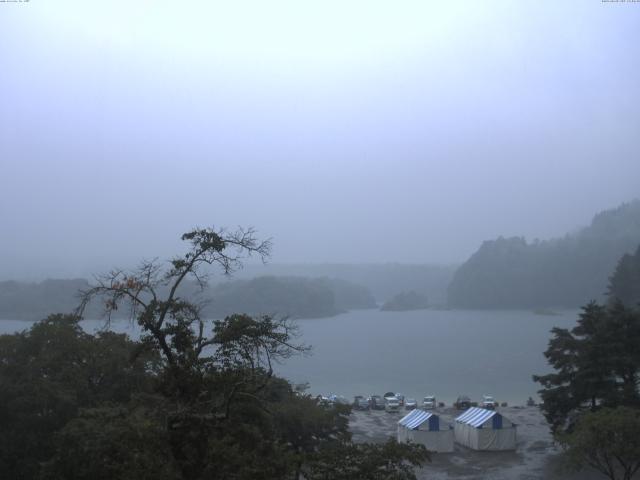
column 190, row 400
column 591, row 399
column 563, row 272
column 624, row 284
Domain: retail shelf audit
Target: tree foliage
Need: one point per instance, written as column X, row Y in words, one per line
column 49, row 374
column 607, row 440
column 366, row 461
column 191, row 400
column 592, row 399
column 596, row 363
column 108, row 442
column 624, row 284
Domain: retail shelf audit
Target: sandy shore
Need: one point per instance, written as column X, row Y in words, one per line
column 536, row 456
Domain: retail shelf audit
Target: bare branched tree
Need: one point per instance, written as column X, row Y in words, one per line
column 139, row 290
column 240, row 346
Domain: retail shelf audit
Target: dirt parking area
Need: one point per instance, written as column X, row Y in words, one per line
column 536, row 456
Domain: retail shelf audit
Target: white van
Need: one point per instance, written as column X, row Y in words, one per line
column 392, row 404
column 429, row 402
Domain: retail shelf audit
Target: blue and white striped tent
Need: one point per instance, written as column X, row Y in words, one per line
column 476, row 417
column 420, row 426
column 483, row 429
column 418, row 417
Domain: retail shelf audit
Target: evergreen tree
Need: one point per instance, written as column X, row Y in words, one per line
column 624, row 284
column 596, row 364
column 607, row 441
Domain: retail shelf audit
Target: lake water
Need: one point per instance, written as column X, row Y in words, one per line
column 443, row 353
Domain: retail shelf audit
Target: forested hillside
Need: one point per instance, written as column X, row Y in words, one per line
column 562, row 272
column 297, row 297
column 383, row 280
column 35, row 301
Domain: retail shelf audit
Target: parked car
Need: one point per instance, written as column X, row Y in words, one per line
column 389, row 395
column 463, row 402
column 488, row 402
column 392, row 404
column 377, row 402
column 361, row 403
column 429, row 402
column 410, row 404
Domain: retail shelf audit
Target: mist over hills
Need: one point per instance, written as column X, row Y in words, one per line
column 562, row 272
column 384, row 280
column 299, row 291
column 295, row 297
column 406, row 301
column 35, row 301
column 503, row 273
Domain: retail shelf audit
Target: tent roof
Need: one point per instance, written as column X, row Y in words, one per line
column 476, row 416
column 415, row 418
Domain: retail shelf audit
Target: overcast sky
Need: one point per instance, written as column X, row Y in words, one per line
column 357, row 131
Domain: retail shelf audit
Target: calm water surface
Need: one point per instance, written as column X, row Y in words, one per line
column 444, row 353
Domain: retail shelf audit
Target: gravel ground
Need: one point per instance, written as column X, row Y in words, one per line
column 536, row 457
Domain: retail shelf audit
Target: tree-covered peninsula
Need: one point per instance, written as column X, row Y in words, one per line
column 406, row 301
column 562, row 272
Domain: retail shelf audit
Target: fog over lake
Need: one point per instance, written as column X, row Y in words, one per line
column 440, row 352
column 330, row 127
column 426, row 189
